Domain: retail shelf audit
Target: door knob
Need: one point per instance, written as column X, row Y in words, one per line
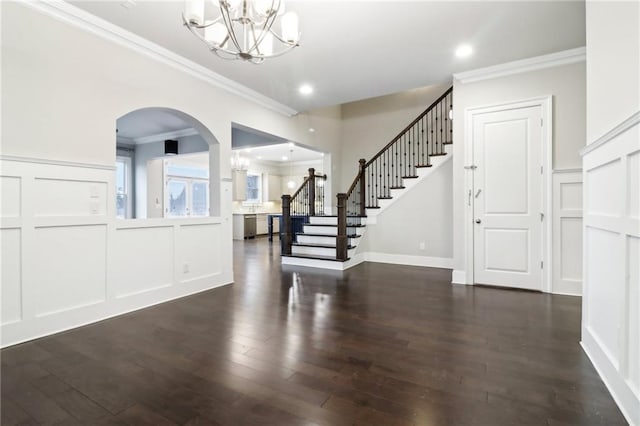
column 478, row 221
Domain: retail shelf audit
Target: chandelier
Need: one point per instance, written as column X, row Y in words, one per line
column 242, row 29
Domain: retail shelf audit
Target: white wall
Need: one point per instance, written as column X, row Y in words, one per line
column 567, row 86
column 611, row 258
column 613, row 64
column 70, row 261
column 423, row 215
column 368, row 125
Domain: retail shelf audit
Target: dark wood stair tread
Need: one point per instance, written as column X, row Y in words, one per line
column 397, row 187
column 410, row 177
column 384, row 198
column 334, row 226
column 331, row 246
column 313, row 256
column 421, row 166
column 327, row 235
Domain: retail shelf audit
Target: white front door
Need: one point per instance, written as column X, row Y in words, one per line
column 507, row 191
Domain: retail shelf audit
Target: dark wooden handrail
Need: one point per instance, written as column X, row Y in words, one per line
column 413, row 123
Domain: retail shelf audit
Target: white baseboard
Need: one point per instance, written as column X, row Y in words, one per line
column 627, row 401
column 405, row 259
column 459, row 277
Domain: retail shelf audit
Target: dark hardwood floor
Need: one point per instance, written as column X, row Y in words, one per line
column 377, row 345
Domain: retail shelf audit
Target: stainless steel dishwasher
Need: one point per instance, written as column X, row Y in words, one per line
column 250, row 226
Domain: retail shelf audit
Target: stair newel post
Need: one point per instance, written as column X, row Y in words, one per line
column 286, row 237
column 361, row 173
column 342, row 239
column 312, row 191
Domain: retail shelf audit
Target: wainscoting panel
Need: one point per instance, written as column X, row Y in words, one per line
column 567, row 232
column 67, row 261
column 633, row 309
column 602, row 245
column 197, row 257
column 71, row 269
column 611, row 301
column 10, row 196
column 58, row 197
column 11, row 275
column 144, row 259
column 633, row 185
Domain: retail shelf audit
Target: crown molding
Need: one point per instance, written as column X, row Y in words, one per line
column 164, row 136
column 612, row 134
column 49, row 162
column 524, row 65
column 72, row 15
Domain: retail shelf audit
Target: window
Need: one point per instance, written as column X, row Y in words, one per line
column 187, row 191
column 254, row 185
column 123, row 188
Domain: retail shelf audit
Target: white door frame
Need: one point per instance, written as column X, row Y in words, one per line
column 545, row 102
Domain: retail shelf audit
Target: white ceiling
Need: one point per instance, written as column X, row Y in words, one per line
column 352, row 50
column 275, row 153
column 149, row 121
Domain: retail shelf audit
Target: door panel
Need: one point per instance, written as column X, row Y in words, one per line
column 507, row 150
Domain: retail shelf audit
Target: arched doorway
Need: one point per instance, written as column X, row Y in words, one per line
column 167, row 165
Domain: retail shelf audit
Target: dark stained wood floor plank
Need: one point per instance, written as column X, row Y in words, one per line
column 378, row 344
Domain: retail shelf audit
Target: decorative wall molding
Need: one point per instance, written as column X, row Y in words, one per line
column 32, row 160
column 612, row 134
column 611, row 273
column 164, row 136
column 567, row 232
column 79, row 18
column 70, row 262
column 524, row 65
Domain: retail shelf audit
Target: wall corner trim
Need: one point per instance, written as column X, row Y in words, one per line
column 612, row 134
column 459, row 276
column 73, row 15
column 556, row 59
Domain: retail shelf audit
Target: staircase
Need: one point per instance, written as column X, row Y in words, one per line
column 331, row 241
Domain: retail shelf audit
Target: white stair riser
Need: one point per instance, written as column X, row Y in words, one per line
column 313, row 239
column 323, row 220
column 320, row 230
column 314, row 251
column 318, row 251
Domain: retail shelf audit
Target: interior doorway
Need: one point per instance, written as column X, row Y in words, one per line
column 509, row 162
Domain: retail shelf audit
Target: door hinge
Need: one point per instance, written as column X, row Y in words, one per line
column 541, row 170
column 541, row 264
column 541, row 122
column 541, row 216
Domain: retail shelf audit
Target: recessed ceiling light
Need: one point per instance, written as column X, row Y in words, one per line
column 306, row 89
column 311, row 129
column 292, row 144
column 285, row 158
column 259, row 157
column 464, row 50
column 247, row 150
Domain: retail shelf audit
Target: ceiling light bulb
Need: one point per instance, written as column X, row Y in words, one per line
column 464, row 50
column 292, row 144
column 194, row 11
column 291, row 184
column 285, row 158
column 306, row 89
column 290, row 27
column 311, row 129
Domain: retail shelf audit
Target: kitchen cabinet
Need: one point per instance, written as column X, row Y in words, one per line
column 239, row 185
column 271, row 187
